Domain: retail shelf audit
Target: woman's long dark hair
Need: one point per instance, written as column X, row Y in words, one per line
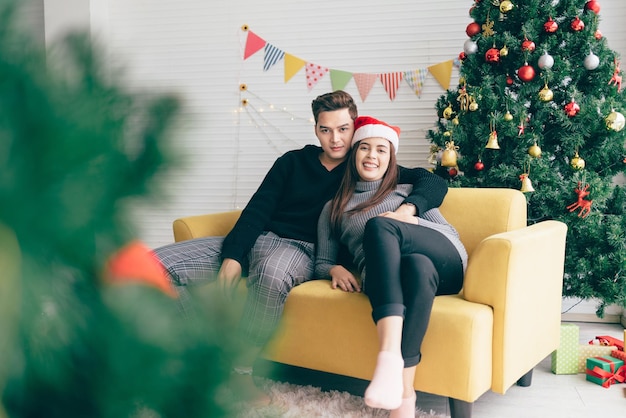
column 348, row 185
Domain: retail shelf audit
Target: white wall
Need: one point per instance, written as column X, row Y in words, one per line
column 194, row 48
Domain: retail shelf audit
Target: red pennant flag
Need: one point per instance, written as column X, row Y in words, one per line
column 253, row 44
column 364, row 83
column 391, row 81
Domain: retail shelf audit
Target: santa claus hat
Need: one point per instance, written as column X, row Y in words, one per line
column 369, row 127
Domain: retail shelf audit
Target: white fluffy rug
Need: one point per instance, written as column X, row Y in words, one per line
column 294, row 401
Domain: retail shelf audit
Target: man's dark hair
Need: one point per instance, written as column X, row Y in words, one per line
column 335, row 100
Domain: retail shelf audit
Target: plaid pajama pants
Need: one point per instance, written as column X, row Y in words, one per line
column 273, row 267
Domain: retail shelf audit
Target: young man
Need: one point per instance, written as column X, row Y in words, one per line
column 272, row 243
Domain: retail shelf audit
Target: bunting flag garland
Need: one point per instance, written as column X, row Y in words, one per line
column 415, row 80
column 253, row 44
column 391, row 82
column 442, row 72
column 339, row 79
column 314, row 73
column 293, row 64
column 364, row 83
column 272, row 56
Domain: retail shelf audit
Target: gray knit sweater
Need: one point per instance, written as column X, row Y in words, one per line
column 352, row 227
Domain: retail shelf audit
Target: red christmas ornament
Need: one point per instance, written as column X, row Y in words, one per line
column 526, row 72
column 479, row 166
column 492, row 55
column 462, row 56
column 593, row 5
column 528, row 45
column 583, row 204
column 577, row 24
column 550, row 26
column 472, row 29
column 453, row 172
column 509, row 80
column 572, row 108
column 598, row 34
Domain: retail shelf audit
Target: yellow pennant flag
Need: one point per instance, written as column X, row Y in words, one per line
column 293, row 64
column 442, row 73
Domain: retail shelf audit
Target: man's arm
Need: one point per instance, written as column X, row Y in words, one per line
column 257, row 213
column 429, row 190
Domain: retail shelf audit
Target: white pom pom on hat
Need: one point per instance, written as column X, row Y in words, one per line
column 369, row 127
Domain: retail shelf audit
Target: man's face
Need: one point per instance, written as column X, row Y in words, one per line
column 334, row 130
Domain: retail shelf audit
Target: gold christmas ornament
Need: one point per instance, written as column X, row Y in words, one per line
column 527, row 185
column 447, row 112
column 534, row 151
column 492, row 142
column 577, row 163
column 506, row 6
column 448, row 156
column 545, row 94
column 455, row 121
column 504, row 51
column 615, row 121
column 473, row 106
column 508, row 116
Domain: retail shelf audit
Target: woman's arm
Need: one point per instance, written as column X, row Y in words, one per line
column 326, row 255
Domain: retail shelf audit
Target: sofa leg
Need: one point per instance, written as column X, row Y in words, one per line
column 460, row 409
column 526, row 380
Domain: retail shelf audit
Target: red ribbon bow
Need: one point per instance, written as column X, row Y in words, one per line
column 613, row 376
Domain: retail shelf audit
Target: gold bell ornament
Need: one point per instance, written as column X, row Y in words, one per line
column 527, row 186
column 448, row 156
column 492, row 142
column 508, row 116
column 448, row 112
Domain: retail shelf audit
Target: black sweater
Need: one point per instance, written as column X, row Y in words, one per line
column 289, row 200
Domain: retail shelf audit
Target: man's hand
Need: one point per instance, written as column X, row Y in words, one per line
column 229, row 276
column 342, row 278
column 405, row 213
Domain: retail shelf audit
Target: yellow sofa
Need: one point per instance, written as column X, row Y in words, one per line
column 489, row 337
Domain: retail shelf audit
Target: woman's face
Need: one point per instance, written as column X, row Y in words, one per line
column 372, row 158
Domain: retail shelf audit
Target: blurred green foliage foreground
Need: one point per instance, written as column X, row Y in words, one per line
column 76, row 150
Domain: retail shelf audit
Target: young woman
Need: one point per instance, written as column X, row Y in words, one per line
column 404, row 261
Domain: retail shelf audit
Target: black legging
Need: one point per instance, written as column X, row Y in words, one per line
column 407, row 265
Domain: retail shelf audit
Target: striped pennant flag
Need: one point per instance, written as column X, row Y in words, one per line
column 415, row 79
column 272, row 56
column 391, row 82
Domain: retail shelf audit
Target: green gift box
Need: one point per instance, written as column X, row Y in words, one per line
column 565, row 358
column 605, row 370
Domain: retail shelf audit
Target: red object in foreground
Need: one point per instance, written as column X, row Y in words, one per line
column 136, row 263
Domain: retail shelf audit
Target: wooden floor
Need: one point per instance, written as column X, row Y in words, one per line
column 550, row 395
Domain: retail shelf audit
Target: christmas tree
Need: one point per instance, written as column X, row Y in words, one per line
column 540, row 107
column 77, row 149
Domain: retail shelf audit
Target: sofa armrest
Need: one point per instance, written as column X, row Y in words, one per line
column 520, row 275
column 209, row 225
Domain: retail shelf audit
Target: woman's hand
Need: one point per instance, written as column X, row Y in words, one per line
column 342, row 278
column 229, row 276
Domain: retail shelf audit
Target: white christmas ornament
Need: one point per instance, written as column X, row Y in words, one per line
column 591, row 61
column 545, row 61
column 470, row 47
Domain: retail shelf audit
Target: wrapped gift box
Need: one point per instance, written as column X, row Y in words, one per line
column 565, row 358
column 586, row 351
column 619, row 354
column 605, row 370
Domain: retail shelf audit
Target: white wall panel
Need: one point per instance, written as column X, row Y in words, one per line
column 194, row 48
